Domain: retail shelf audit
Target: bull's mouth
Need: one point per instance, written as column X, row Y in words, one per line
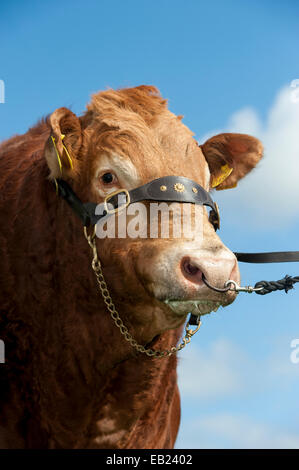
column 196, row 307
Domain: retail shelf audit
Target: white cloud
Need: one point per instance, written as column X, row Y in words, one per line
column 222, row 430
column 270, row 193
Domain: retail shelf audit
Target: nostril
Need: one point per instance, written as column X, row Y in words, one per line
column 191, row 271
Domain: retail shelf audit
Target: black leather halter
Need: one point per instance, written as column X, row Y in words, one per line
column 173, row 189
column 166, row 189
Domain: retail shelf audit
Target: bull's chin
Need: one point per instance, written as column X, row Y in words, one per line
column 196, row 307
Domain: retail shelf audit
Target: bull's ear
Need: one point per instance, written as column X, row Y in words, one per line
column 230, row 157
column 63, row 145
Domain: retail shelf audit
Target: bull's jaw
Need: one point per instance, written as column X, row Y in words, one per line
column 196, row 307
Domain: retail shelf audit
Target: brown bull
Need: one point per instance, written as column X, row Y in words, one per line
column 70, row 379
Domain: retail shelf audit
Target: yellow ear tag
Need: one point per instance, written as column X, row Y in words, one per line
column 57, row 153
column 228, row 187
column 67, row 153
column 225, row 172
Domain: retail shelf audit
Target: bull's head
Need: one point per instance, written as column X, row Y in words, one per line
column 124, row 140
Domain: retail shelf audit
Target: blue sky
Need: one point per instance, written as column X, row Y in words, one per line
column 224, row 66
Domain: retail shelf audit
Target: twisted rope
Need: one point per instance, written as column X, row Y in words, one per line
column 286, row 284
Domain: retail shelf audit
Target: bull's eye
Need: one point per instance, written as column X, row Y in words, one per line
column 108, row 178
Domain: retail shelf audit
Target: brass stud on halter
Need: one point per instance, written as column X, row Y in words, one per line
column 97, row 268
column 179, row 187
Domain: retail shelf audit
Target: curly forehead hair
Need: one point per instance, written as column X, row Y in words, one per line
column 145, row 101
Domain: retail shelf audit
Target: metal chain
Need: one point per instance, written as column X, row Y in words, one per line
column 97, row 268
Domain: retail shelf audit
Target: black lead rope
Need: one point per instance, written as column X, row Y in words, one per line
column 268, row 257
column 266, row 287
column 262, row 287
column 286, row 284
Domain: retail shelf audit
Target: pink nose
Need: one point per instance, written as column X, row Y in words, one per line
column 216, row 270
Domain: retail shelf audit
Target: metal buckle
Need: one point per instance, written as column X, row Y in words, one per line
column 237, row 288
column 111, row 195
